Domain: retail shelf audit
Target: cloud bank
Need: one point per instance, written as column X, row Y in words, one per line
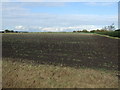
column 57, row 29
column 17, row 16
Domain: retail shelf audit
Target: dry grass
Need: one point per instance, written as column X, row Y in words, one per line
column 0, row 73
column 28, row 75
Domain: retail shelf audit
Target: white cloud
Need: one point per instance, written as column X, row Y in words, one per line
column 58, row 29
column 20, row 28
column 88, row 27
column 70, row 28
column 49, row 29
column 52, row 20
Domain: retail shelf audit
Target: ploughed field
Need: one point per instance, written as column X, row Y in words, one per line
column 62, row 49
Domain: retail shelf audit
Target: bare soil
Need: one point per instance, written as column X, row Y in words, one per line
column 66, row 49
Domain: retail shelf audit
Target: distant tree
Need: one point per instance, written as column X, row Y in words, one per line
column 109, row 28
column 92, row 31
column 117, row 30
column 112, row 27
column 1, row 31
column 78, row 31
column 74, row 31
column 6, row 31
column 16, row 32
column 97, row 30
column 105, row 28
column 12, row 31
column 84, row 30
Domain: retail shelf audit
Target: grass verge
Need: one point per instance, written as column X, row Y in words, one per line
column 107, row 36
column 110, row 33
column 27, row 75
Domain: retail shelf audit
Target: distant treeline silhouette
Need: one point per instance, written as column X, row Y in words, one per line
column 115, row 33
column 12, row 31
column 94, row 31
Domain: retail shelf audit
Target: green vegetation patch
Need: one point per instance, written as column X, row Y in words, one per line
column 110, row 33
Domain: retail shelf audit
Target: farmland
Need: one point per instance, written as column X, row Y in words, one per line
column 68, row 52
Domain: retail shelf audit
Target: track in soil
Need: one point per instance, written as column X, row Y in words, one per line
column 67, row 49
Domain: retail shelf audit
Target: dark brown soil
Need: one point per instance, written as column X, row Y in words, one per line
column 66, row 49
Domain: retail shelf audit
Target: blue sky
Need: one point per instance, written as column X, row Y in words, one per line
column 78, row 8
column 58, row 16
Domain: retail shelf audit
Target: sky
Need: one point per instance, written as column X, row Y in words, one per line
column 58, row 16
column 59, row 0
column 119, row 15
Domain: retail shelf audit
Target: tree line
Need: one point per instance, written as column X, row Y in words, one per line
column 12, row 31
column 104, row 29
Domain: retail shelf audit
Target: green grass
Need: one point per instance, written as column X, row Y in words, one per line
column 103, row 35
column 111, row 33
